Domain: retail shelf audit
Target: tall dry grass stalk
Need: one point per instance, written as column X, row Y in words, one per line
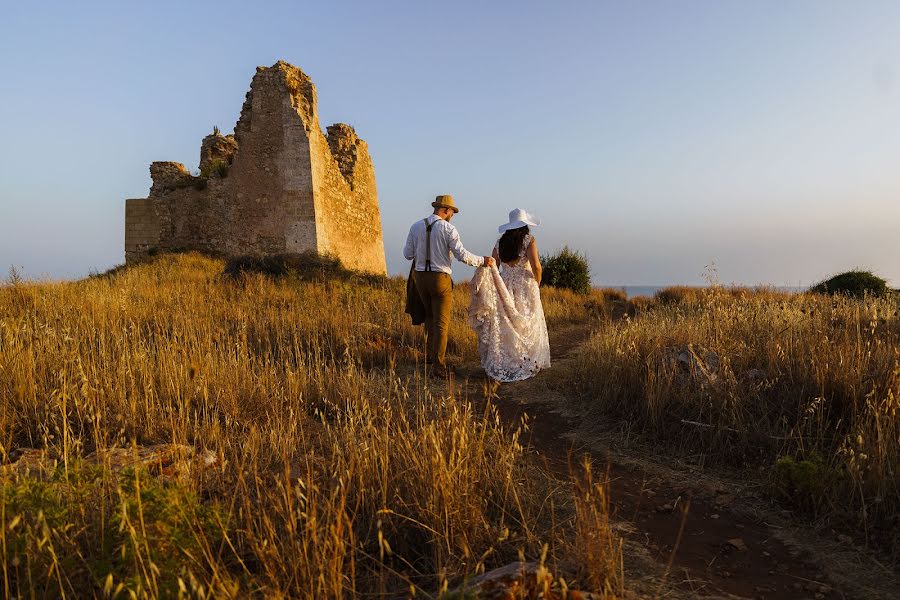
column 598, row 549
column 339, row 470
column 754, row 376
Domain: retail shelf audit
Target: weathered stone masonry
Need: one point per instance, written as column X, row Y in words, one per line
column 279, row 184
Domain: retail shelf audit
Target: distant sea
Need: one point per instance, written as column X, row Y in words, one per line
column 650, row 290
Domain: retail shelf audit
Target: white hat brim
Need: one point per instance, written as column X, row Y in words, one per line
column 519, row 223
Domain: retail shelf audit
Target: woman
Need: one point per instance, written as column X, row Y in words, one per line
column 506, row 310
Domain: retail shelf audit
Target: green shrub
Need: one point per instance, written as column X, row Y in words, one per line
column 567, row 269
column 803, row 483
column 853, row 283
column 219, row 168
column 49, row 531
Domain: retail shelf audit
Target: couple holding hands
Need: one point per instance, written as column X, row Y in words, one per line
column 505, row 312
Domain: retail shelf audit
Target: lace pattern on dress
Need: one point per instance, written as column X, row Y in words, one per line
column 508, row 318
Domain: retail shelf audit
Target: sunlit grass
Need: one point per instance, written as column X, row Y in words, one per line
column 339, row 470
column 805, row 386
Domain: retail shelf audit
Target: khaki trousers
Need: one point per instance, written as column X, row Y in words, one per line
column 436, row 291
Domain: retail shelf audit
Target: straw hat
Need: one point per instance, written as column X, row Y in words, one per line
column 519, row 218
column 445, row 201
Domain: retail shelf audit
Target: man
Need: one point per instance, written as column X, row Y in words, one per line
column 431, row 274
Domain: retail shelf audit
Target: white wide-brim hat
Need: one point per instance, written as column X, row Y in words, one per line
column 519, row 218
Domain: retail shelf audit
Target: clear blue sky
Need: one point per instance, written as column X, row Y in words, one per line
column 654, row 136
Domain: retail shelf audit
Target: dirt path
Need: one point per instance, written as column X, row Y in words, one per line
column 731, row 544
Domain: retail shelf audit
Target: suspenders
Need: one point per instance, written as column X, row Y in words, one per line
column 428, row 227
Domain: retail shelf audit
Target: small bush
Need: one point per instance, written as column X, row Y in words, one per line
column 853, row 283
column 803, row 483
column 613, row 295
column 567, row 269
column 218, row 168
column 679, row 294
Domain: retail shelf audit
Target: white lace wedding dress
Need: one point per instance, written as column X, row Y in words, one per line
column 508, row 318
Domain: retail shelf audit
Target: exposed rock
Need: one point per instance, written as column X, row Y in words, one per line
column 755, row 375
column 28, row 460
column 520, row 580
column 216, row 149
column 169, row 461
column 691, row 363
column 168, row 176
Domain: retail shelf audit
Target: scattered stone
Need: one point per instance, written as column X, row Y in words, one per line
column 518, row 580
column 665, row 508
column 724, row 500
column 24, row 461
column 692, row 363
column 737, row 544
column 755, row 375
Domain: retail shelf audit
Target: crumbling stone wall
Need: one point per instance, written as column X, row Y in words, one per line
column 277, row 185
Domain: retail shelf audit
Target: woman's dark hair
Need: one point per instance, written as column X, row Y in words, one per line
column 511, row 243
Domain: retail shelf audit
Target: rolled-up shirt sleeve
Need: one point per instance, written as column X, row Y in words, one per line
column 409, row 250
column 461, row 254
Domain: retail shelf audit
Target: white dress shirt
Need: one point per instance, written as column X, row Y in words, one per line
column 444, row 243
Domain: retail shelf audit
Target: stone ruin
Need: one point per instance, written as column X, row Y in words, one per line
column 278, row 184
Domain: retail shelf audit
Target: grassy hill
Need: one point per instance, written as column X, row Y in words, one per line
column 318, row 461
column 333, row 467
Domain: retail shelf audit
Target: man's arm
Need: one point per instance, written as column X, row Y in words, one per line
column 409, row 250
column 461, row 254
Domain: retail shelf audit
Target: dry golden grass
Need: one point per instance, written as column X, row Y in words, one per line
column 340, row 471
column 806, row 386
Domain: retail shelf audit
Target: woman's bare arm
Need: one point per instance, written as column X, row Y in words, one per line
column 535, row 260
